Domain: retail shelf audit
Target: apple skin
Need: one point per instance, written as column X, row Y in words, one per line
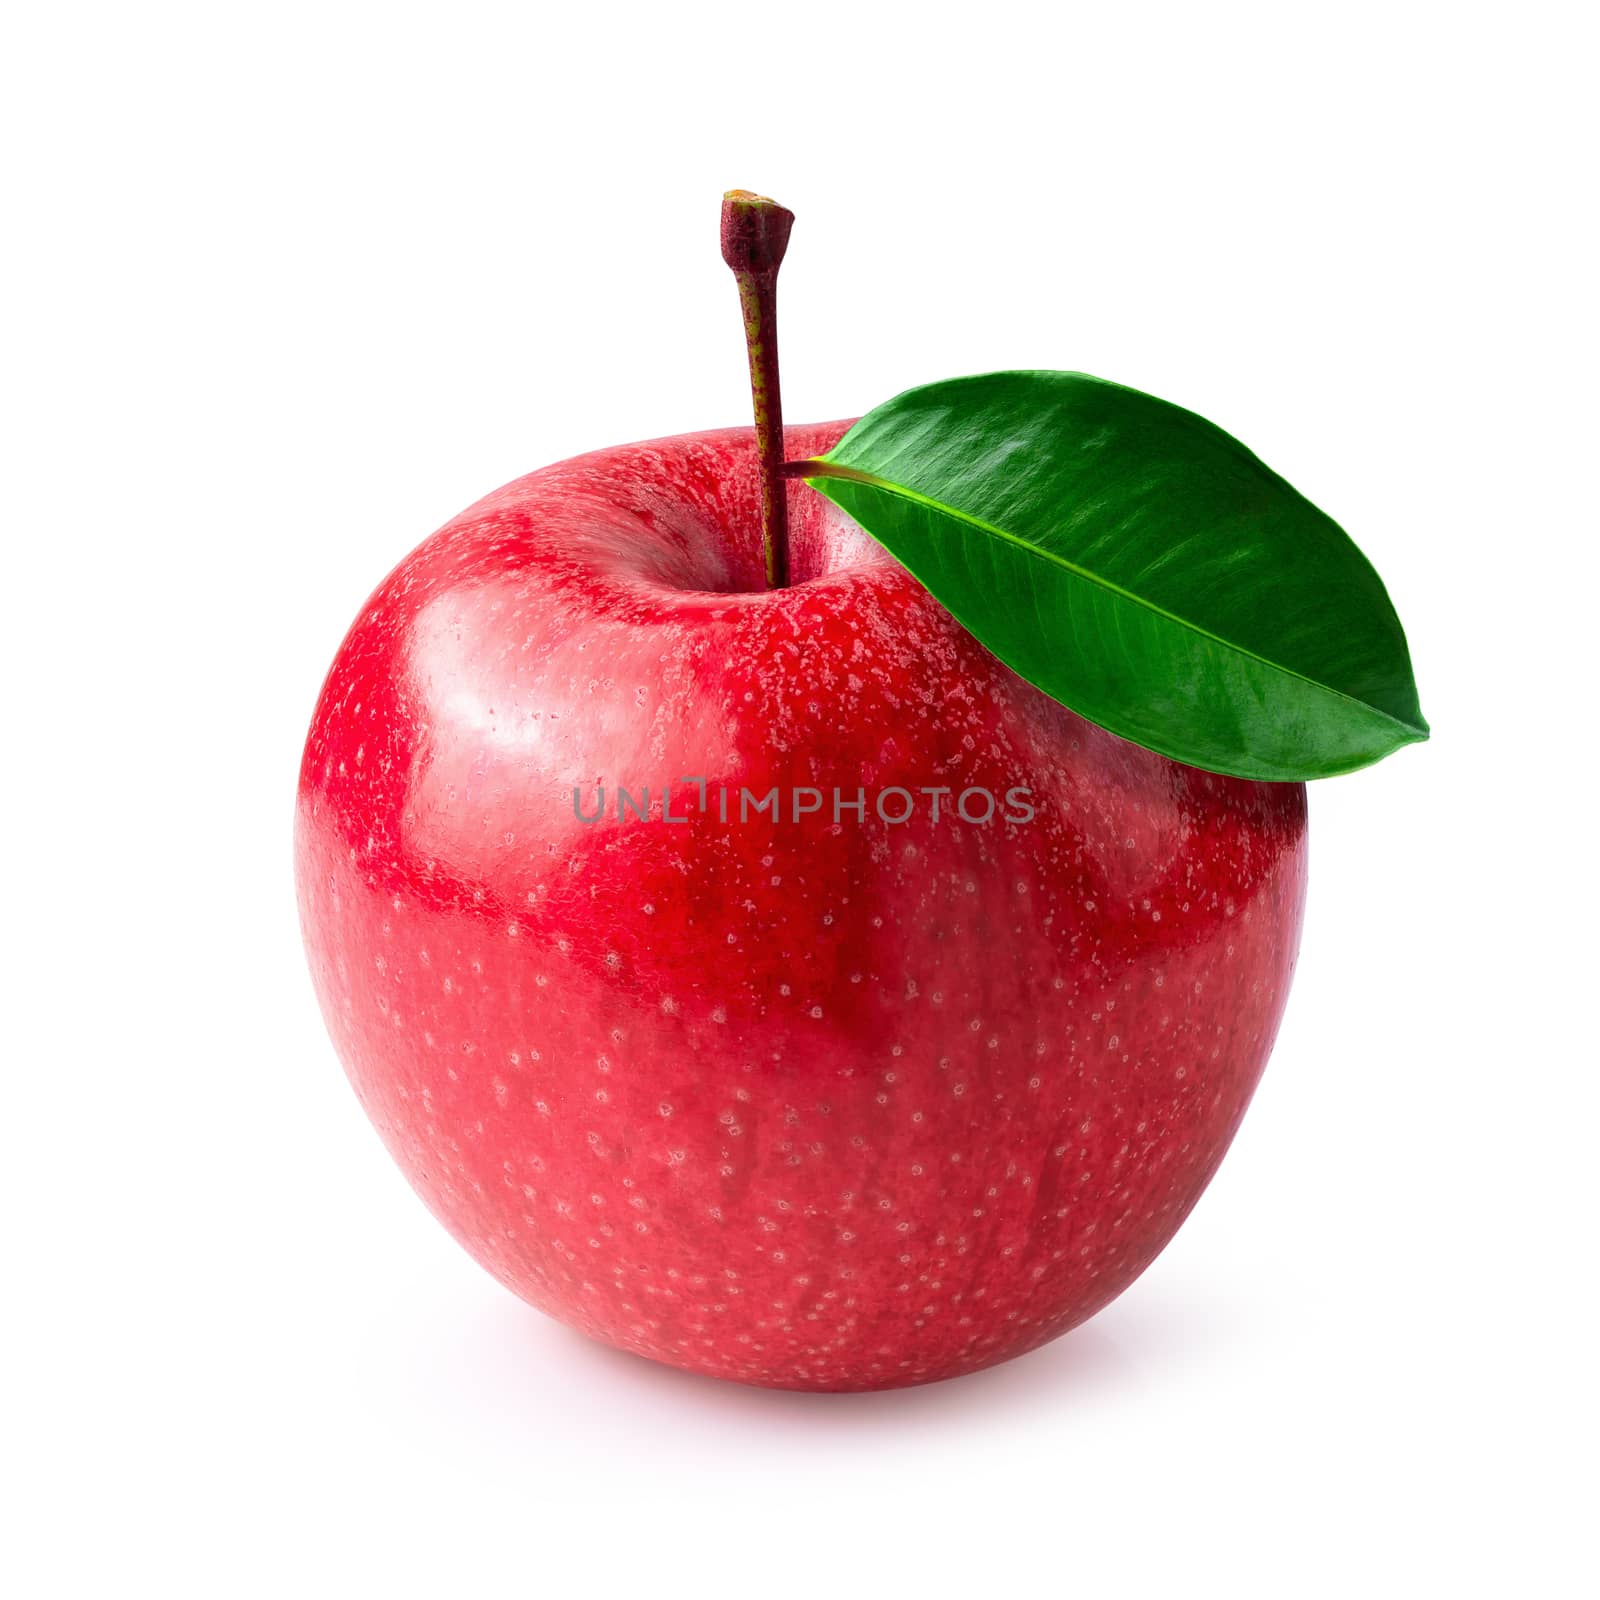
column 807, row 1105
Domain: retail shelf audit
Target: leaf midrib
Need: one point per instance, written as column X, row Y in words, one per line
column 823, row 468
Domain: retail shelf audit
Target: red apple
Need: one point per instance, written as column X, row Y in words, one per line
column 816, row 1103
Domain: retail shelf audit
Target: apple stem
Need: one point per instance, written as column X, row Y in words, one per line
column 755, row 234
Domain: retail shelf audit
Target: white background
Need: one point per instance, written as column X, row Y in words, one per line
column 288, row 286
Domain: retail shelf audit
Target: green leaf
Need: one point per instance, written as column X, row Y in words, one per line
column 1139, row 565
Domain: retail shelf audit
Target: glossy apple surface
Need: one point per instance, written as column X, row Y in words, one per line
column 814, row 1104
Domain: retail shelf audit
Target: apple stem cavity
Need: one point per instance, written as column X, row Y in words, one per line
column 755, row 234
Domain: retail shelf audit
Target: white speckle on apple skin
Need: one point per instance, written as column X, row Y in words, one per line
column 685, row 1024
